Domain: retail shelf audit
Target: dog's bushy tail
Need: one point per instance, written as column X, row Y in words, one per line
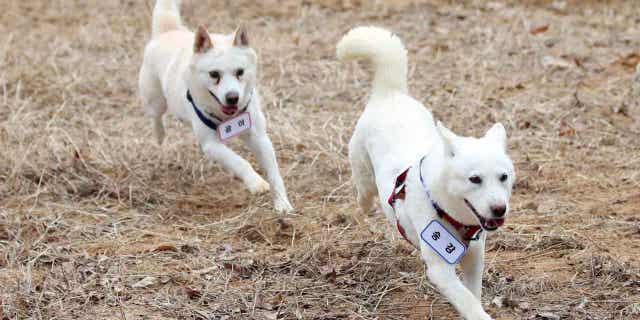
column 166, row 17
column 384, row 49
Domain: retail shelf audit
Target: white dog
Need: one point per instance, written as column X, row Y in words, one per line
column 209, row 81
column 440, row 190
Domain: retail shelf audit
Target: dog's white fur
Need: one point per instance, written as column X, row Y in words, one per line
column 175, row 60
column 395, row 132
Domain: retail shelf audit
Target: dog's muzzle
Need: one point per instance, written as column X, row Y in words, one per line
column 487, row 224
column 230, row 108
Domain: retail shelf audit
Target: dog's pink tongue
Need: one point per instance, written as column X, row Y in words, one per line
column 229, row 110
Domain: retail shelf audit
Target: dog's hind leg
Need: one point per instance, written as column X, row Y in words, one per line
column 153, row 100
column 363, row 178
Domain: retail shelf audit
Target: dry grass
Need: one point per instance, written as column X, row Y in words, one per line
column 90, row 206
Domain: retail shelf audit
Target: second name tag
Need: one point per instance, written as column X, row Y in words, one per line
column 234, row 126
column 443, row 242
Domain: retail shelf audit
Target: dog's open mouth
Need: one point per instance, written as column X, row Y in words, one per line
column 229, row 110
column 487, row 224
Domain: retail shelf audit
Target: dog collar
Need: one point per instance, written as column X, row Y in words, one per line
column 469, row 233
column 206, row 120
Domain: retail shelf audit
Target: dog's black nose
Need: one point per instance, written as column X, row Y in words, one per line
column 232, row 98
column 499, row 210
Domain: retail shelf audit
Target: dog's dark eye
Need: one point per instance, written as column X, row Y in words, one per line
column 239, row 73
column 504, row 177
column 475, row 179
column 215, row 75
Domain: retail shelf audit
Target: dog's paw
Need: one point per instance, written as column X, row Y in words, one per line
column 282, row 205
column 483, row 316
column 258, row 186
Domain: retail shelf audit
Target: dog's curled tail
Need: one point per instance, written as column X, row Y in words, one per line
column 166, row 17
column 384, row 49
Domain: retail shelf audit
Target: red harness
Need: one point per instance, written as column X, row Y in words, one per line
column 399, row 192
column 469, row 233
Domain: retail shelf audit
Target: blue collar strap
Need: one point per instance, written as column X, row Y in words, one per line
column 209, row 122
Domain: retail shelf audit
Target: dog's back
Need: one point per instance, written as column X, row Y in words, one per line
column 394, row 129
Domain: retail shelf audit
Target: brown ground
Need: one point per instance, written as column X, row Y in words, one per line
column 90, row 205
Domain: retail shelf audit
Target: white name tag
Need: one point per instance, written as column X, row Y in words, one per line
column 443, row 242
column 234, row 126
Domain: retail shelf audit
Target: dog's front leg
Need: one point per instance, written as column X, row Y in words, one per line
column 472, row 265
column 240, row 167
column 262, row 147
column 444, row 277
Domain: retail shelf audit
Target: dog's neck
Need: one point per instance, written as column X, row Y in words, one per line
column 435, row 179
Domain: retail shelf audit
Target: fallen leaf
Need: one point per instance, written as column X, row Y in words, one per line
column 630, row 61
column 540, row 29
column 566, row 130
column 278, row 299
column 165, row 247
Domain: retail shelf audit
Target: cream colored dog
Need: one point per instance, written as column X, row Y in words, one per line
column 440, row 190
column 209, row 81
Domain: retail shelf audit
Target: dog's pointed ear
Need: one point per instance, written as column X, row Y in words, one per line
column 448, row 138
column 202, row 42
column 499, row 134
column 240, row 38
